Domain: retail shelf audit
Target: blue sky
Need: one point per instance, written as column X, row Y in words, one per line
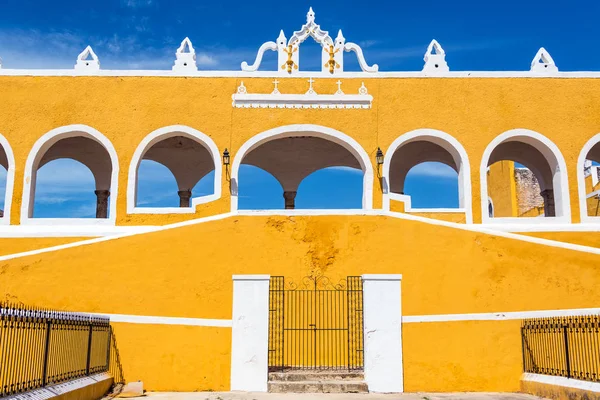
column 144, row 34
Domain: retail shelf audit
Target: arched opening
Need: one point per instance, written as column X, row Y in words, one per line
column 7, row 174
column 428, row 170
column 588, row 180
column 173, row 169
column 88, row 150
column 292, row 153
column 526, row 175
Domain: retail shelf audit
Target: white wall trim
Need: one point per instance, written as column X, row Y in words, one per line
column 560, row 185
column 499, row 316
column 153, row 320
column 39, row 149
column 160, row 135
column 382, row 314
column 407, row 200
column 495, row 230
column 583, row 213
column 250, row 333
column 452, row 146
column 298, row 74
column 10, row 180
column 562, row 381
column 302, row 130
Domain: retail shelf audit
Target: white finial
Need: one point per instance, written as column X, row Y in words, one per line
column 339, row 85
column 87, row 60
column 281, row 39
column 543, row 62
column 362, row 90
column 340, row 39
column 310, row 16
column 310, row 89
column 185, row 57
column 241, row 89
column 276, row 89
column 435, row 58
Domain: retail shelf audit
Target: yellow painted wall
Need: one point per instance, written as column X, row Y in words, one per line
column 186, row 272
column 19, row 245
column 398, row 206
column 126, row 109
column 502, row 189
column 175, row 357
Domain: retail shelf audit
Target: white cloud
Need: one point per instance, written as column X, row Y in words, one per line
column 137, row 3
column 433, row 169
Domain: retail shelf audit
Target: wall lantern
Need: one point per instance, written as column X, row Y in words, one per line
column 379, row 156
column 226, row 157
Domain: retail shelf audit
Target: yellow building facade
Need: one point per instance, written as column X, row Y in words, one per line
column 165, row 275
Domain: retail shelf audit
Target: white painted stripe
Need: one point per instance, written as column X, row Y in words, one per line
column 487, row 229
column 299, row 74
column 144, row 319
column 499, row 316
column 562, row 381
column 226, row 323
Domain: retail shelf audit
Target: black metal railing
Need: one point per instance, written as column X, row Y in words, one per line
column 316, row 324
column 41, row 347
column 562, row 346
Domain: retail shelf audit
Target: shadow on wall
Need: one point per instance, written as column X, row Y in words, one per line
column 115, row 368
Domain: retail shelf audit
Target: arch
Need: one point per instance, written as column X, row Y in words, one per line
column 311, row 130
column 10, row 180
column 585, row 151
column 158, row 136
column 555, row 161
column 461, row 164
column 39, row 149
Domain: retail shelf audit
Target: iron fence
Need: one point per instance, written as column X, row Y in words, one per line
column 562, row 346
column 41, row 347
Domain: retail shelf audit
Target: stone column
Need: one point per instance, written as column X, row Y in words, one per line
column 383, row 333
column 548, row 196
column 102, row 203
column 250, row 333
column 184, row 197
column 290, row 202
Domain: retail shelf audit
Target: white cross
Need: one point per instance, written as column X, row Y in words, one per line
column 311, row 80
column 275, row 82
column 339, row 83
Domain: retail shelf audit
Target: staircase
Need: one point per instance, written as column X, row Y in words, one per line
column 317, row 382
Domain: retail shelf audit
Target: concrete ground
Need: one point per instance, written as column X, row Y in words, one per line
column 335, row 396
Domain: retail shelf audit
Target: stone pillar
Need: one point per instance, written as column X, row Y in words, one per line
column 184, row 197
column 548, row 196
column 250, row 333
column 102, row 203
column 290, row 202
column 383, row 333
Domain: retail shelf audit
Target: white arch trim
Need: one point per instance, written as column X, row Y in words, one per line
column 10, row 180
column 450, row 144
column 29, row 179
column 583, row 213
column 158, row 136
column 306, row 130
column 560, row 180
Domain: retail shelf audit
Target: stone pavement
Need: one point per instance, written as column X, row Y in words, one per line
column 333, row 396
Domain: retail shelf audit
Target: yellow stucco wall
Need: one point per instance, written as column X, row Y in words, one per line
column 502, row 189
column 186, row 272
column 19, row 245
column 126, row 109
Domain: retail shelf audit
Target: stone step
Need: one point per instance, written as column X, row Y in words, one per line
column 295, row 376
column 318, row 387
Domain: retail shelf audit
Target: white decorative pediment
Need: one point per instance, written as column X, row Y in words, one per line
column 309, row 99
column 435, row 58
column 543, row 62
column 185, row 60
column 288, row 51
column 87, row 60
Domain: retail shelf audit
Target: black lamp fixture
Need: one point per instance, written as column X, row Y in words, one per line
column 379, row 156
column 226, row 157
